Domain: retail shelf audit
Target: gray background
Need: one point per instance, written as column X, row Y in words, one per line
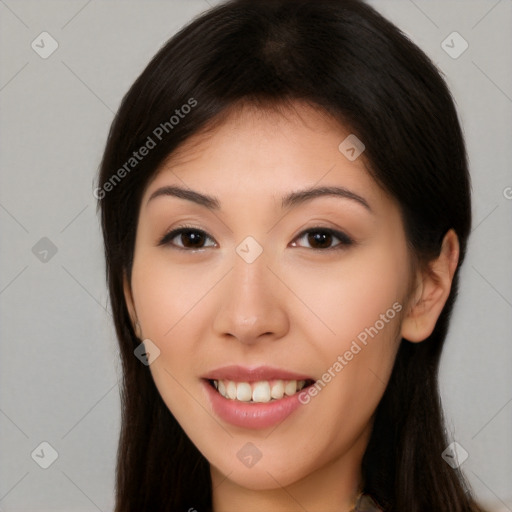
column 59, row 360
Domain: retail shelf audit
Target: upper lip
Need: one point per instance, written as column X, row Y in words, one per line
column 253, row 374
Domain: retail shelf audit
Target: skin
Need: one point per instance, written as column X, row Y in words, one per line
column 295, row 307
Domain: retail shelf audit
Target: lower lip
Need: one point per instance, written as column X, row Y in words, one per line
column 251, row 415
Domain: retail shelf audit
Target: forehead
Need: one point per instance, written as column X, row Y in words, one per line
column 244, row 129
column 262, row 152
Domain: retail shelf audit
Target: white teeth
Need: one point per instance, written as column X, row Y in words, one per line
column 259, row 392
column 230, row 390
column 277, row 390
column 290, row 387
column 243, row 392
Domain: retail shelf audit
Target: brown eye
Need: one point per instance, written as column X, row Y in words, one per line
column 322, row 238
column 186, row 238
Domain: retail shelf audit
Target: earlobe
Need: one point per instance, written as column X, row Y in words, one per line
column 433, row 287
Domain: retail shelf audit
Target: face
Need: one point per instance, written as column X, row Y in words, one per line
column 276, row 312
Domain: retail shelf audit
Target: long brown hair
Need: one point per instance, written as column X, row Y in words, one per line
column 345, row 58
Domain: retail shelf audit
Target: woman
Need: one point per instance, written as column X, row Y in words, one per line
column 285, row 205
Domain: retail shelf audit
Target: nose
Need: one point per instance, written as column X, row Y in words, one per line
column 252, row 303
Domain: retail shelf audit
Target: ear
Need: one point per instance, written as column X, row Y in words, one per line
column 127, row 290
column 433, row 287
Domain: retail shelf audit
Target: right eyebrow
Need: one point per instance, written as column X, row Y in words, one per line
column 212, row 203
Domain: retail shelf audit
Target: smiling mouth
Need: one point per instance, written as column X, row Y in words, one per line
column 263, row 391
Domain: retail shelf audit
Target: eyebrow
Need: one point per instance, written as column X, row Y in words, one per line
column 289, row 201
column 210, row 202
column 301, row 196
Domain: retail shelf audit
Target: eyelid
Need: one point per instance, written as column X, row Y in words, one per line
column 174, row 232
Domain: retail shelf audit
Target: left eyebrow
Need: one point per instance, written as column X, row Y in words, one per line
column 301, row 196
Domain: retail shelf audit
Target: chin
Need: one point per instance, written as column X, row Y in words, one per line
column 259, row 477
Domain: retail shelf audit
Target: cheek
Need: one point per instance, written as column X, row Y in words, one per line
column 357, row 306
column 168, row 297
column 348, row 297
column 169, row 307
column 173, row 305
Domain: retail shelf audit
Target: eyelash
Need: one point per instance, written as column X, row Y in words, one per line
column 345, row 240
